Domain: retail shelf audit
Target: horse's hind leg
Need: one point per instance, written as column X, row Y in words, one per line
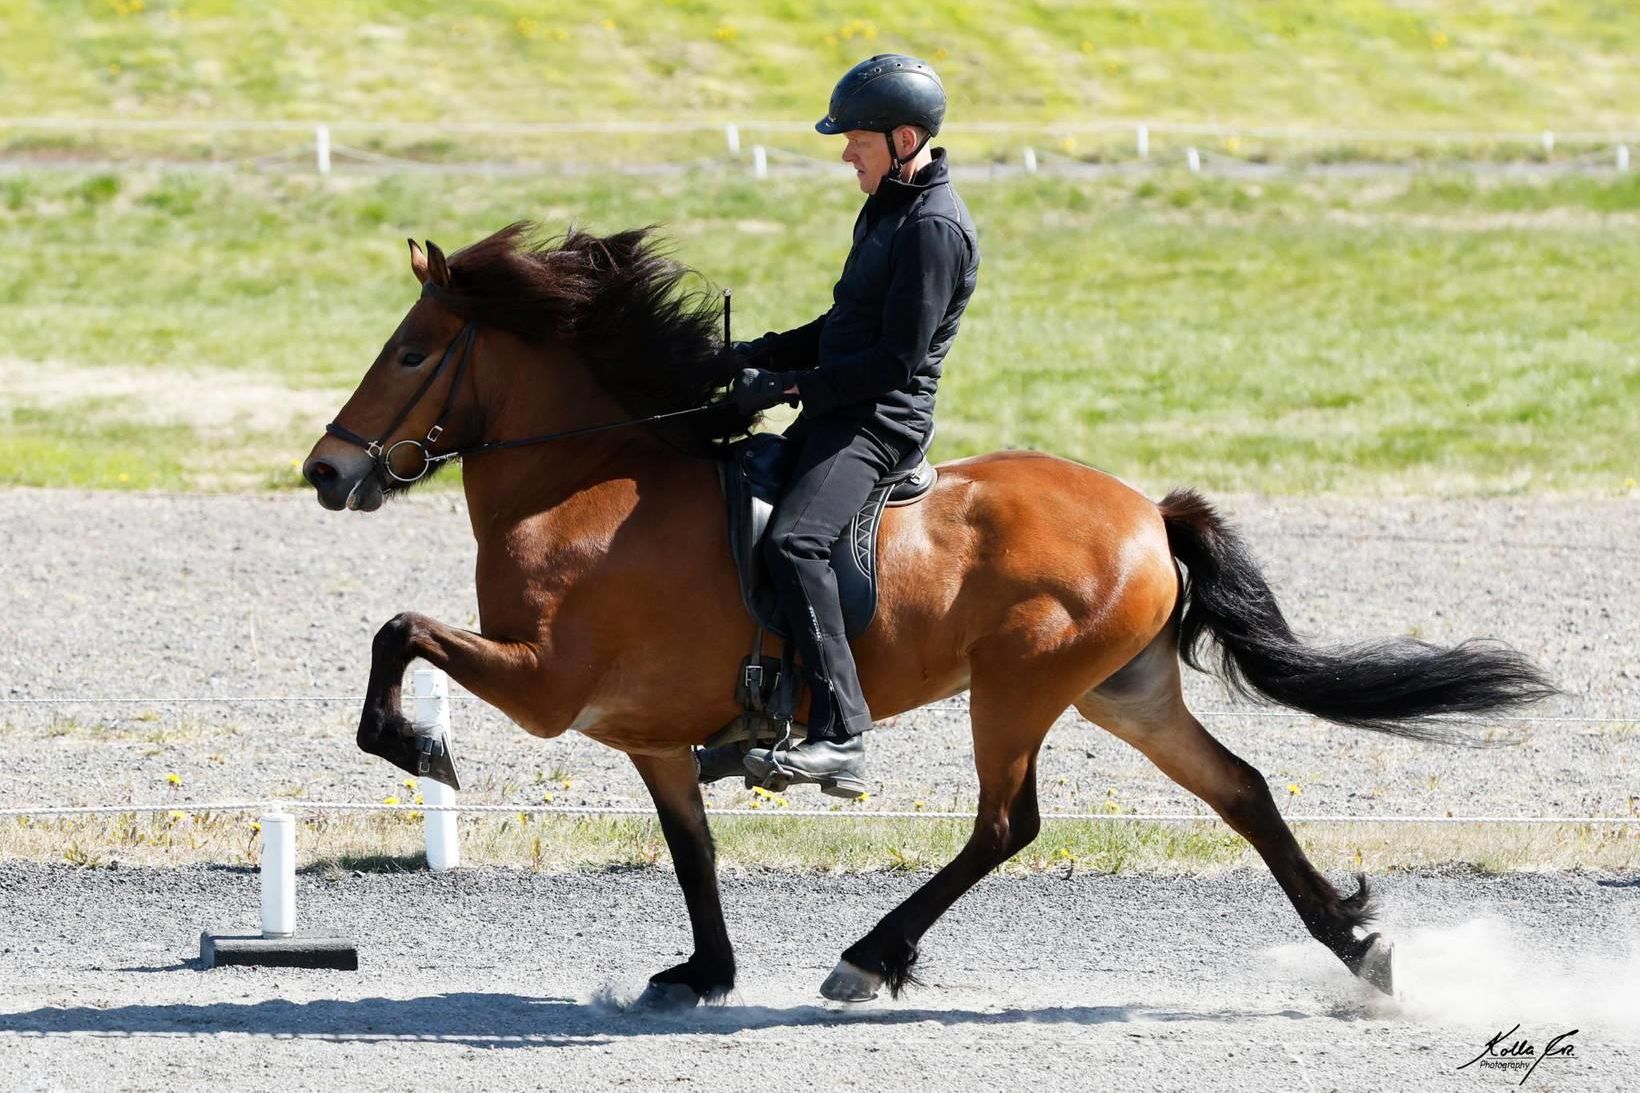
column 1009, row 723
column 1142, row 704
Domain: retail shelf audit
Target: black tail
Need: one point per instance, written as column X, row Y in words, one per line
column 1392, row 686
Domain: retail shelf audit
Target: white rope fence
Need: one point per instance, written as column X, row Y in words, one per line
column 430, row 688
column 192, row 809
column 1603, row 148
column 439, row 811
column 935, row 707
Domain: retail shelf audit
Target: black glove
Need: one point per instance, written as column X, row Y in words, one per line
column 758, row 389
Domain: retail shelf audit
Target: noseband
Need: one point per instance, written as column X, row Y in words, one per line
column 461, row 346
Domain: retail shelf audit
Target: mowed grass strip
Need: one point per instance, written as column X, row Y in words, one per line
column 1373, row 64
column 851, row 844
column 1434, row 334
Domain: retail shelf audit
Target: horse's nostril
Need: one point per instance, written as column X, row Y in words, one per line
column 318, row 473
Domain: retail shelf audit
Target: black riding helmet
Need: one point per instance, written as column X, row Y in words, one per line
column 882, row 93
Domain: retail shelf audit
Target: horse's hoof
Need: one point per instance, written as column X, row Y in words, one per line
column 850, row 983
column 667, row 998
column 1375, row 965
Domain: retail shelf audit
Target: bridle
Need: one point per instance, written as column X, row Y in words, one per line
column 381, row 453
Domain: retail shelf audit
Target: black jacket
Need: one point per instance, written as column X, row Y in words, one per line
column 875, row 356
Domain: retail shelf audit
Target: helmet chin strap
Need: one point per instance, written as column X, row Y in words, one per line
column 895, row 163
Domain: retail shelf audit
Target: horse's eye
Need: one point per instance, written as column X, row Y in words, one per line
column 411, row 359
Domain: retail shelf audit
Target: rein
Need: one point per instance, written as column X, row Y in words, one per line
column 383, row 456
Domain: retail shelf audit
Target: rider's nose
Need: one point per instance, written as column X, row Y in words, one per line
column 319, row 473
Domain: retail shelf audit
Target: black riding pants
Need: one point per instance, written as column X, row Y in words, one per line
column 836, row 465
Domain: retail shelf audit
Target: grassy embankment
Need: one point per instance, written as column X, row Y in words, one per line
column 1432, row 333
column 1370, row 65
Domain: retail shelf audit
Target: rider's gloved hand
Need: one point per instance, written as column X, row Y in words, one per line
column 758, row 389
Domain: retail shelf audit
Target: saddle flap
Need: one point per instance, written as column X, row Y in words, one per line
column 753, row 478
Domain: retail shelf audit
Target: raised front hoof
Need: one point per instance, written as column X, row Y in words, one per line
column 422, row 753
column 1372, row 963
column 667, row 998
column 850, row 984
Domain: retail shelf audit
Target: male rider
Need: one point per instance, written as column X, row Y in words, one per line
column 865, row 372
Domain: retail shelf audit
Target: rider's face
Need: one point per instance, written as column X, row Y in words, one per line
column 867, row 153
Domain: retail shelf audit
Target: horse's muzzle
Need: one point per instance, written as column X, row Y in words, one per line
column 344, row 483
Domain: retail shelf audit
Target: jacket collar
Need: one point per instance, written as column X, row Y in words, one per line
column 892, row 193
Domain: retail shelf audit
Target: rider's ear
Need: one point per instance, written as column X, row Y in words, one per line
column 438, row 271
column 418, row 262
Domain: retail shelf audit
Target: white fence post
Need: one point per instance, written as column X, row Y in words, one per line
column 731, row 136
column 278, row 875
column 432, row 691
column 1030, row 160
column 1548, row 140
column 321, row 148
column 1141, row 140
column 1193, row 159
column 1622, row 157
column 760, row 162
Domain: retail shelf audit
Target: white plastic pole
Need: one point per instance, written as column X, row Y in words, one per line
column 1548, row 140
column 432, row 691
column 1141, row 140
column 1030, row 160
column 321, row 148
column 1622, row 157
column 760, row 162
column 1194, row 159
column 278, row 874
column 731, row 134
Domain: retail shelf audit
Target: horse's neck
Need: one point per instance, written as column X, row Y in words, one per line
column 524, row 395
column 508, row 488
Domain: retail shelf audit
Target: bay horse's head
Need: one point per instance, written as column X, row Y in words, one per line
column 611, row 306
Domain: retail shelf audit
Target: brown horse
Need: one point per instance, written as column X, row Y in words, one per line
column 608, row 603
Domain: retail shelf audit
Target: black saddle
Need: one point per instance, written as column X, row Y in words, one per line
column 753, row 478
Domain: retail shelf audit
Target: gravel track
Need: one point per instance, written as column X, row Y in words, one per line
column 492, row 979
column 150, row 596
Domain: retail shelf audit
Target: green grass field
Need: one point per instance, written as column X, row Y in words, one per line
column 1424, row 333
column 1509, row 64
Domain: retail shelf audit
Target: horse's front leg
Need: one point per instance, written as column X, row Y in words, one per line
column 499, row 672
column 709, row 973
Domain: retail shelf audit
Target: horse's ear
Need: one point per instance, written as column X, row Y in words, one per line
column 418, row 262
column 437, row 269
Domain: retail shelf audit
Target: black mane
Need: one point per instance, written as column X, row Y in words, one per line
column 618, row 301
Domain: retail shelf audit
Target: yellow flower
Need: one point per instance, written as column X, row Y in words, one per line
column 527, row 27
column 409, row 783
column 1293, row 789
column 1439, row 39
column 546, row 798
column 390, row 800
column 941, row 54
column 1087, row 47
column 608, row 23
column 567, row 783
column 255, row 827
column 173, row 779
column 726, row 33
column 176, row 815
column 919, row 805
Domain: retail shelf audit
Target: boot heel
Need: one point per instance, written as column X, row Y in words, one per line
column 849, row 789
